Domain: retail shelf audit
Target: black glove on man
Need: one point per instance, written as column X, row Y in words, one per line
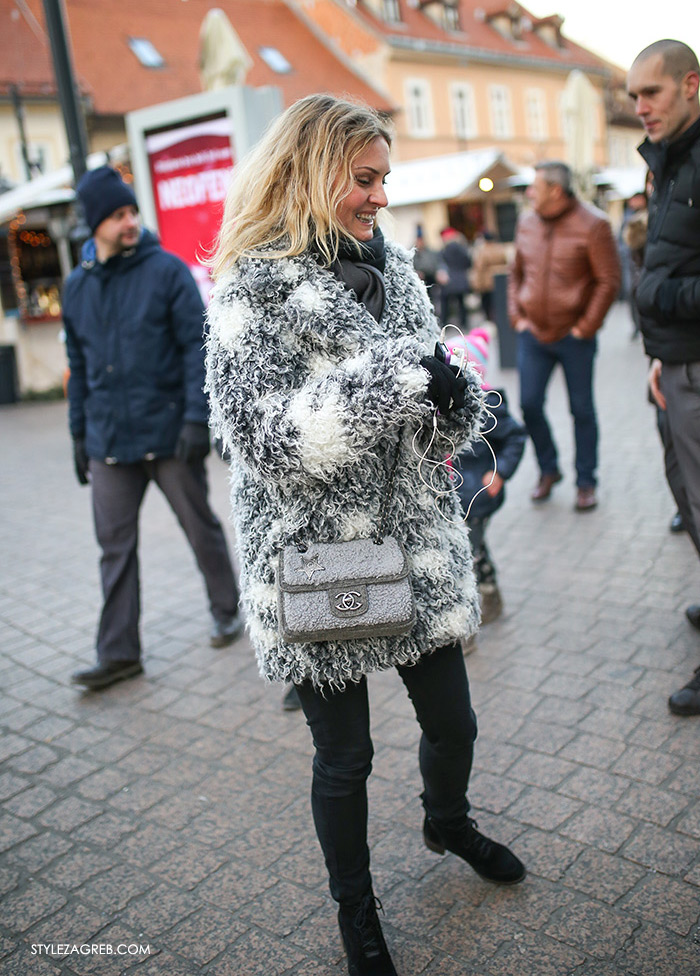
column 80, row 460
column 446, row 388
column 193, row 442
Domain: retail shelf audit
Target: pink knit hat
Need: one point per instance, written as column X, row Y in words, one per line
column 476, row 346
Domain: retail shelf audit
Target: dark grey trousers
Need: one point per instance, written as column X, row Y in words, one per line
column 681, row 386
column 117, row 493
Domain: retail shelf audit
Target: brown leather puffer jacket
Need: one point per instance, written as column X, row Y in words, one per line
column 566, row 272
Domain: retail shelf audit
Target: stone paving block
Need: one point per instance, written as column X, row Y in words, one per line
column 13, row 831
column 649, row 803
column 76, row 866
column 234, row 884
column 105, row 830
column 281, row 908
column 30, row 802
column 546, row 854
column 75, row 923
column 603, row 876
column 23, row 963
column 473, row 934
column 541, row 770
column 31, row 759
column 646, row 765
column 594, row 785
column 611, row 723
column 529, row 952
column 68, row 770
column 657, row 952
column 663, row 850
column 539, row 808
column 189, row 864
column 22, row 909
column 204, row 935
column 530, row 904
column 103, row 783
column 257, row 952
column 34, row 854
column 112, row 890
column 690, row 822
column 542, row 736
column 493, row 793
column 593, row 928
column 592, row 750
column 158, row 910
column 663, row 901
column 600, row 828
column 493, row 756
column 68, row 814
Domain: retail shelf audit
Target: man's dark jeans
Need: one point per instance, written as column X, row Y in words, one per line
column 339, row 723
column 536, row 361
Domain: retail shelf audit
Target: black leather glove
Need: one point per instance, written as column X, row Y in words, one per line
column 446, row 388
column 193, row 442
column 80, row 460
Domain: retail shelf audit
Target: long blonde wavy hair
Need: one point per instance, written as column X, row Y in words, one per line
column 285, row 192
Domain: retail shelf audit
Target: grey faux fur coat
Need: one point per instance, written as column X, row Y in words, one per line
column 309, row 394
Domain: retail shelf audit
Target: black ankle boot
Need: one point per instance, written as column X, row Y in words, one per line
column 363, row 940
column 490, row 860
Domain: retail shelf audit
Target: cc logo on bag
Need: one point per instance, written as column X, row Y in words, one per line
column 348, row 600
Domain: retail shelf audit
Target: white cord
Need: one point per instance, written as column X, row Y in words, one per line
column 430, row 482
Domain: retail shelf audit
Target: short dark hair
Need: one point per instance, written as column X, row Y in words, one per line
column 556, row 172
column 678, row 58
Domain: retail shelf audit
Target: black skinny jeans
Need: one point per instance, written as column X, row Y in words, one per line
column 439, row 689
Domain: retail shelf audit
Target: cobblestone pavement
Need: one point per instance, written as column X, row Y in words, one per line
column 172, row 813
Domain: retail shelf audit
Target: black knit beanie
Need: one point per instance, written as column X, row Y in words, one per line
column 101, row 192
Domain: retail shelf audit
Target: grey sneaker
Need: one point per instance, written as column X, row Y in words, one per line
column 687, row 700
column 491, row 602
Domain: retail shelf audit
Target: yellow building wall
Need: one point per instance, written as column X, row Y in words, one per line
column 521, row 146
column 44, row 130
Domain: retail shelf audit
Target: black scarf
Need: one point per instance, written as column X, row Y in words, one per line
column 363, row 271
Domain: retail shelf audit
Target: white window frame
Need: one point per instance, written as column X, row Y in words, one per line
column 420, row 118
column 391, row 11
column 536, row 114
column 501, row 109
column 463, row 105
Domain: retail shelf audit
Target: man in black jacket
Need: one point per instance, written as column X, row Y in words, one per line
column 663, row 83
column 134, row 336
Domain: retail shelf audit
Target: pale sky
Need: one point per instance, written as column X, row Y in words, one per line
column 618, row 31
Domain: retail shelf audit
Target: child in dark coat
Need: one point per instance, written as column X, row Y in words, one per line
column 507, row 440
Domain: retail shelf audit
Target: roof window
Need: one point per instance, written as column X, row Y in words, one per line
column 275, row 59
column 146, row 52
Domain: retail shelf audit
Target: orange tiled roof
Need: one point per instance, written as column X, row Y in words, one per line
column 477, row 36
column 115, row 80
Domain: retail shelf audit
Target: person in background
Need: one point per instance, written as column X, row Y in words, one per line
column 429, row 267
column 663, row 84
column 565, row 277
column 491, row 257
column 137, row 412
column 453, row 293
column 321, row 372
column 481, row 487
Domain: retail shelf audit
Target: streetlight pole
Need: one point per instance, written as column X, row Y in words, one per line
column 67, row 90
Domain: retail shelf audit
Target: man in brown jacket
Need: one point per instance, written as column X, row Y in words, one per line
column 565, row 277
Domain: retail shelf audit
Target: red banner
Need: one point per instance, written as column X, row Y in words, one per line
column 190, row 172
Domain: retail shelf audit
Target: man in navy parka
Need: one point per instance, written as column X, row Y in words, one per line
column 134, row 336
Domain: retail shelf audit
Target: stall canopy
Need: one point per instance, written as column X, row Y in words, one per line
column 54, row 187
column 442, row 177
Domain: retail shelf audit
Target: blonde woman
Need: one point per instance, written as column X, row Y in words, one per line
column 322, row 381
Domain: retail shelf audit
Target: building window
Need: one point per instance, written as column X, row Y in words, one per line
column 147, row 54
column 419, row 108
column 391, row 11
column 536, row 114
column 463, row 111
column 275, row 60
column 501, row 114
column 451, row 17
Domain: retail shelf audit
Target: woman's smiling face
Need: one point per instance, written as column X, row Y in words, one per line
column 357, row 212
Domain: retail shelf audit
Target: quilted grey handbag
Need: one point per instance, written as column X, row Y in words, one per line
column 346, row 590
